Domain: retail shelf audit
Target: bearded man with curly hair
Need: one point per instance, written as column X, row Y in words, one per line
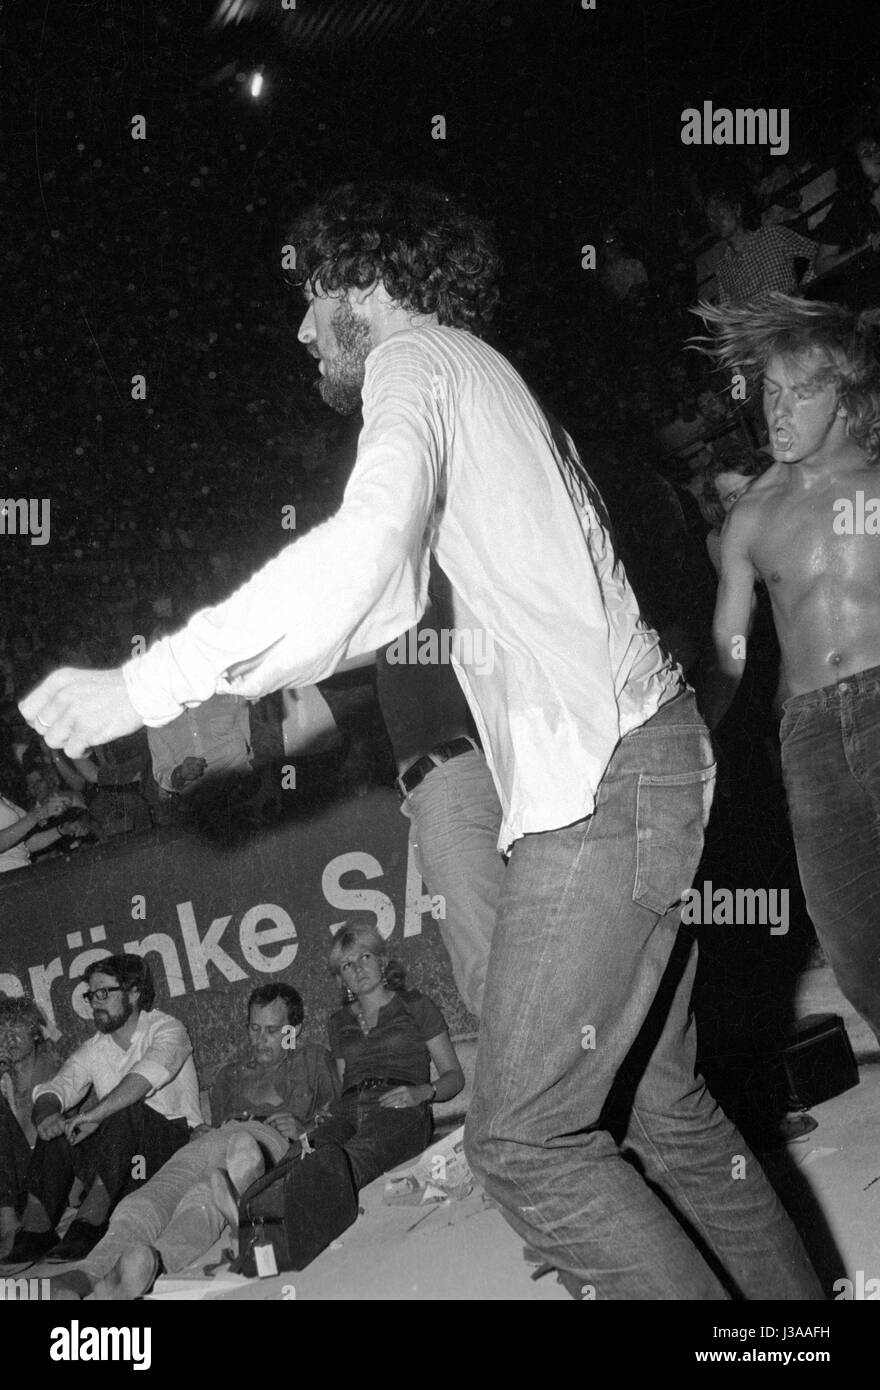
column 603, row 767
column 809, row 527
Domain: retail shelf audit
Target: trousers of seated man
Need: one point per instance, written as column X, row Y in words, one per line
column 174, row 1211
column 134, row 1137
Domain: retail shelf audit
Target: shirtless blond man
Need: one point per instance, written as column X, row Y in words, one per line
column 807, row 529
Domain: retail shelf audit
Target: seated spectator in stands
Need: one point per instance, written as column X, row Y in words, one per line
column 19, row 833
column 773, row 184
column 754, row 263
column 621, row 273
column 115, row 777
column 203, row 746
column 853, row 220
column 731, row 472
column 274, row 1094
column 41, row 776
column 139, row 1064
column 27, row 1057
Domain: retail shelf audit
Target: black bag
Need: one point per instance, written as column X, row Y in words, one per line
column 301, row 1205
column 818, row 1060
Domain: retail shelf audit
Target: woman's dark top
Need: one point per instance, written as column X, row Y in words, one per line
column 395, row 1048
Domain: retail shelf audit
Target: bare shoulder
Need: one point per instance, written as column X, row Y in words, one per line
column 769, row 482
column 741, row 524
column 751, row 514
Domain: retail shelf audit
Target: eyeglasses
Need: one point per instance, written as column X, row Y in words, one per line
column 101, row 994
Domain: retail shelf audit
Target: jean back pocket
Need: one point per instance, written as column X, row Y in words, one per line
column 671, row 816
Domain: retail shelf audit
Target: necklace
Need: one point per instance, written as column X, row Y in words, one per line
column 362, row 1020
column 358, row 1011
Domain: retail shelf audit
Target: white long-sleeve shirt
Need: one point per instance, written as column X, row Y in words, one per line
column 160, row 1051
column 455, row 454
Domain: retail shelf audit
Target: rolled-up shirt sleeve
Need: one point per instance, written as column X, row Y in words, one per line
column 70, row 1083
column 348, row 587
column 801, row 246
column 168, row 1050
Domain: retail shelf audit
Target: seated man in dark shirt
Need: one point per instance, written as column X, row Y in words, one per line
column 273, row 1094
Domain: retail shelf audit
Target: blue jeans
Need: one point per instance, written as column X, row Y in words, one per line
column 385, row 1137
column 831, row 769
column 588, row 1110
column 456, row 817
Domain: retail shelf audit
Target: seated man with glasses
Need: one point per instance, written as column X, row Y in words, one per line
column 140, row 1065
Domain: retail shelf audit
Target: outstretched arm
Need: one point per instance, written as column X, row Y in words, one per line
column 346, row 588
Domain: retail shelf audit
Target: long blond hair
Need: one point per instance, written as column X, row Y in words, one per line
column 746, row 337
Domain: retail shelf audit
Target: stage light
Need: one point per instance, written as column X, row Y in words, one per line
column 256, row 84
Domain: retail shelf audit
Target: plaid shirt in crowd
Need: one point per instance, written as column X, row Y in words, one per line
column 765, row 263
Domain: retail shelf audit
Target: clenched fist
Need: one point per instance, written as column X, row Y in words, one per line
column 76, row 710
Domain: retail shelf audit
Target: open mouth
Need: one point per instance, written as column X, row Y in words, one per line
column 782, row 439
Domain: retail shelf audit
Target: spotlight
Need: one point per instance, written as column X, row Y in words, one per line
column 256, row 83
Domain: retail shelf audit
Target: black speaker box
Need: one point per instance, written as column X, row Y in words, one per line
column 818, row 1060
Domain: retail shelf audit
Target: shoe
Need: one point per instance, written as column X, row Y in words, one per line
column 30, row 1246
column 72, row 1286
column 797, row 1126
column 132, row 1276
column 81, row 1238
column 792, row 1128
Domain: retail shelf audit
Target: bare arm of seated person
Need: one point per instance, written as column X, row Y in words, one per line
column 450, row 1078
column 130, row 1090
column 24, row 827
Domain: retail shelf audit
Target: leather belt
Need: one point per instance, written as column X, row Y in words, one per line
column 375, row 1083
column 437, row 756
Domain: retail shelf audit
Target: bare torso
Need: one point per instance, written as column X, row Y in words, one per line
column 824, row 584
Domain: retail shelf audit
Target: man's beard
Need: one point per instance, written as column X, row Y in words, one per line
column 106, row 1024
column 343, row 381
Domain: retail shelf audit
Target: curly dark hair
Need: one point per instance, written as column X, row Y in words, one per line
column 431, row 255
column 22, row 1012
